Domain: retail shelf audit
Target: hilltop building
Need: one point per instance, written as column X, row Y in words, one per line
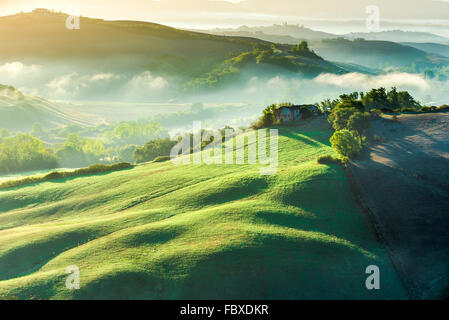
column 295, row 113
column 42, row 11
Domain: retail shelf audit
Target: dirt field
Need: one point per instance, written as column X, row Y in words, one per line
column 403, row 182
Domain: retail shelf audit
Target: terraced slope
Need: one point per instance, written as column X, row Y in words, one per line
column 19, row 112
column 161, row 231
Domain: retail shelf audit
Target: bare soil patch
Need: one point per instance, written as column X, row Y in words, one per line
column 403, row 180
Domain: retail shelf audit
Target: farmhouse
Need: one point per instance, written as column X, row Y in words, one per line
column 42, row 11
column 295, row 113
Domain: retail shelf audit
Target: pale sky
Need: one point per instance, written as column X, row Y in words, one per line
column 235, row 11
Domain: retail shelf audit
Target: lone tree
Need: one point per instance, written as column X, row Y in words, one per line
column 302, row 46
column 346, row 144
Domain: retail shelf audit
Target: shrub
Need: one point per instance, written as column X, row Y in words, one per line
column 430, row 108
column 328, row 159
column 393, row 99
column 161, row 159
column 93, row 169
column 408, row 109
column 267, row 119
column 340, row 116
column 350, row 103
column 346, row 144
column 153, row 149
column 54, row 175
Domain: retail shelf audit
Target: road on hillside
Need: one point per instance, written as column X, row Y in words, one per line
column 403, row 181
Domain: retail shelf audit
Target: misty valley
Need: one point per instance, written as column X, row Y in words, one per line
column 128, row 155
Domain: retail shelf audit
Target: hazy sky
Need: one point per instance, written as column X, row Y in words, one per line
column 235, row 12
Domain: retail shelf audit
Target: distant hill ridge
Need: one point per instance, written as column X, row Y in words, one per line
column 399, row 36
column 134, row 46
column 373, row 50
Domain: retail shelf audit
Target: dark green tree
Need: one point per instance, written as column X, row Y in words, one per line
column 359, row 122
column 153, row 149
column 302, row 46
column 340, row 116
column 377, row 99
column 346, row 144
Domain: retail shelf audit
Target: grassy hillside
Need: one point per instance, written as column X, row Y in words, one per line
column 368, row 53
column 124, row 46
column 266, row 61
column 19, row 112
column 161, row 231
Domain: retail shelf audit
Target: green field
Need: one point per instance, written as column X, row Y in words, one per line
column 161, row 231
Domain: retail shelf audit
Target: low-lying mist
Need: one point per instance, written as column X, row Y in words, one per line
column 139, row 92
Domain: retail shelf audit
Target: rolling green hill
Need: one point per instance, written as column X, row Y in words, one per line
column 266, row 61
column 18, row 112
column 161, row 231
column 371, row 53
column 128, row 47
column 288, row 32
column 436, row 48
column 398, row 36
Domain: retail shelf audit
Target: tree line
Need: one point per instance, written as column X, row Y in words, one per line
column 350, row 116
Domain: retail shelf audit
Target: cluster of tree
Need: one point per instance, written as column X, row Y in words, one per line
column 153, row 149
column 381, row 99
column 268, row 118
column 303, row 49
column 133, row 132
column 160, row 149
column 77, row 151
column 23, row 153
column 114, row 135
column 349, row 121
column 106, row 143
column 83, row 146
column 391, row 100
column 443, row 107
